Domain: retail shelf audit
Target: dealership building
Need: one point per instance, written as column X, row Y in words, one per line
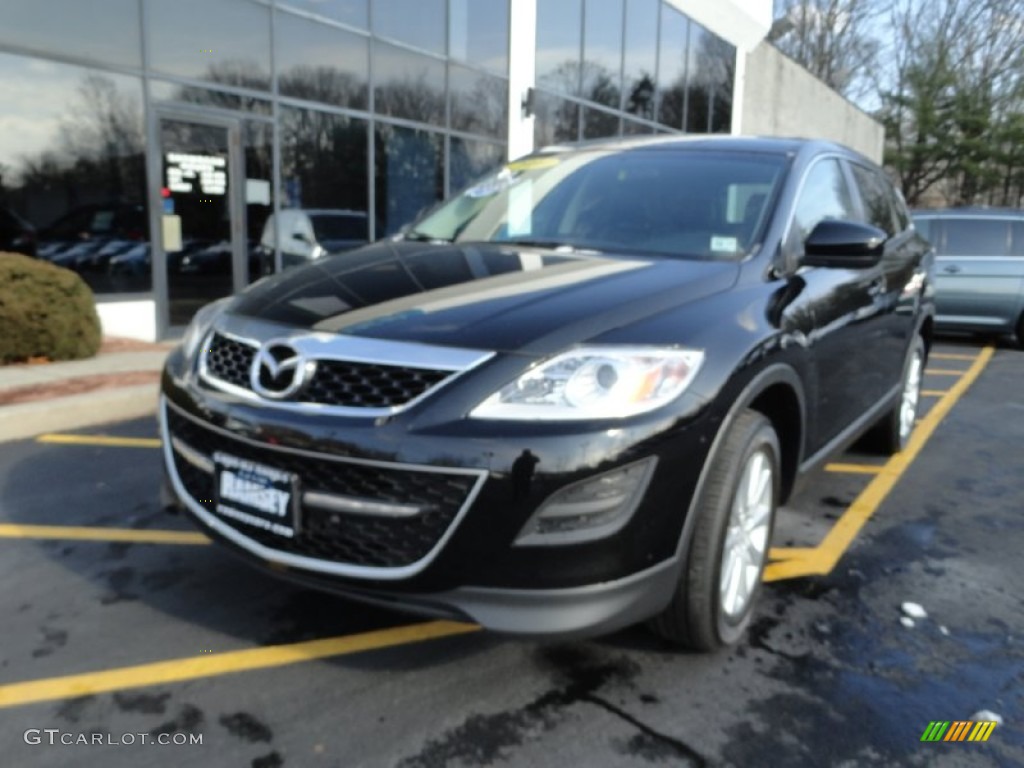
column 172, row 151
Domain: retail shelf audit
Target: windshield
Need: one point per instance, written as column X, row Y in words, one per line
column 685, row 203
column 339, row 227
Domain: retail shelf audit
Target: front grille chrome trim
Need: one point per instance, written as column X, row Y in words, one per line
column 350, row 505
column 198, row 460
column 316, row 565
column 315, row 345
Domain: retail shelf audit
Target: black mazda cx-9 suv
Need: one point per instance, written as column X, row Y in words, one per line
column 570, row 398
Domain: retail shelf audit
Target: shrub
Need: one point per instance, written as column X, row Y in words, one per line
column 45, row 311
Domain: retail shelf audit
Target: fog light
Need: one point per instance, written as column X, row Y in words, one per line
column 590, row 509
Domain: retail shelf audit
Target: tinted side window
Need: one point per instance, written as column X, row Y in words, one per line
column 875, row 191
column 1018, row 238
column 976, row 237
column 823, row 196
column 925, row 228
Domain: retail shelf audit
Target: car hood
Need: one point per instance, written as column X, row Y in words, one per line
column 480, row 296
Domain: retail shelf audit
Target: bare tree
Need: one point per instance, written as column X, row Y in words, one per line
column 830, row 38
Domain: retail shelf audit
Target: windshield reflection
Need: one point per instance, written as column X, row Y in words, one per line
column 683, row 203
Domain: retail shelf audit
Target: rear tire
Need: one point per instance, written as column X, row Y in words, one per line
column 893, row 432
column 725, row 560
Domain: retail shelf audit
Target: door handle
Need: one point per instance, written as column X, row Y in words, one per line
column 952, row 269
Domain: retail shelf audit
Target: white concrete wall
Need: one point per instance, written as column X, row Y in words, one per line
column 744, row 23
column 128, row 319
column 781, row 98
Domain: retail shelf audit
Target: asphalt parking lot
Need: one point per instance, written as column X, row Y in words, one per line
column 120, row 621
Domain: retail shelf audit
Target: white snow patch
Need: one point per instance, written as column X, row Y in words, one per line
column 914, row 611
column 943, row 629
column 907, row 622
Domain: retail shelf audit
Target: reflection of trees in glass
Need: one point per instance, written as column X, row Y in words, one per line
column 99, row 156
column 323, row 160
column 557, row 120
column 409, row 174
column 324, row 84
column 589, row 80
column 412, row 97
column 480, row 109
column 640, row 99
column 469, row 160
column 234, row 73
column 709, row 106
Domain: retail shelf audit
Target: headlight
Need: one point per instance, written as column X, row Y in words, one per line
column 595, row 383
column 200, row 326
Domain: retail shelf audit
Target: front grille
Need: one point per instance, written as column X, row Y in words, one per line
column 335, row 382
column 230, row 360
column 333, row 536
column 368, row 386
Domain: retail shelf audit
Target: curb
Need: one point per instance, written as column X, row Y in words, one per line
column 26, row 420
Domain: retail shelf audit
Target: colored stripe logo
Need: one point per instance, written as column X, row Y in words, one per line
column 958, row 730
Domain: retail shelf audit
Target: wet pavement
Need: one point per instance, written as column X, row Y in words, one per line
column 827, row 676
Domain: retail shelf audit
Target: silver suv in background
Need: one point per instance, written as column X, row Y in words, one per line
column 308, row 234
column 979, row 268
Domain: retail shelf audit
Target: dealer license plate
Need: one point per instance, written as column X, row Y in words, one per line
column 256, row 495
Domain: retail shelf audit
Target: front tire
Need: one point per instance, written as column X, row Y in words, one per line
column 721, row 578
column 892, row 434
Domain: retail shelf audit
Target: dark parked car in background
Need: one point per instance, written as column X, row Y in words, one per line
column 979, row 282
column 16, row 234
column 571, row 398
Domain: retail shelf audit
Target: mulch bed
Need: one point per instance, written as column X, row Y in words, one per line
column 77, row 386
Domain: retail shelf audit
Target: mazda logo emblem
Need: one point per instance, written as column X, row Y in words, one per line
column 279, row 370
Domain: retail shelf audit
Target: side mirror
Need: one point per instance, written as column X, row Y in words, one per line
column 844, row 245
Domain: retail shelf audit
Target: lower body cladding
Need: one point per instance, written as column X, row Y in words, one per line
column 575, row 556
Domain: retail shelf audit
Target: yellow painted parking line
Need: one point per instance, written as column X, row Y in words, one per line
column 216, row 664
column 951, row 356
column 823, row 558
column 106, row 440
column 79, row 533
column 790, row 553
column 855, row 469
column 943, row 372
column 934, row 392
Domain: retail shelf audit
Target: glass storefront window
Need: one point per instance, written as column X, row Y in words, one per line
column 227, row 41
column 602, row 52
column 640, row 58
column 408, row 85
column 556, row 120
column 72, row 164
column 106, row 31
column 478, row 33
column 209, row 97
column 319, row 62
column 258, row 147
column 469, row 160
column 598, row 124
column 723, row 76
column 421, row 23
column 675, row 35
column 324, row 186
column 479, row 102
column 355, row 13
column 698, row 90
column 559, row 40
column 409, row 172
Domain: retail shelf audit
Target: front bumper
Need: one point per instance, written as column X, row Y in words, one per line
column 471, row 570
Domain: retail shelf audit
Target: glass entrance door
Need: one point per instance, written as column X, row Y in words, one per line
column 202, row 229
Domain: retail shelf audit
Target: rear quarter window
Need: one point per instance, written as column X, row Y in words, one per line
column 975, row 237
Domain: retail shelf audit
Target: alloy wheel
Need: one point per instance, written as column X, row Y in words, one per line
column 746, row 539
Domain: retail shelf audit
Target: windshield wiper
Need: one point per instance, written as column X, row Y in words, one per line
column 541, row 243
